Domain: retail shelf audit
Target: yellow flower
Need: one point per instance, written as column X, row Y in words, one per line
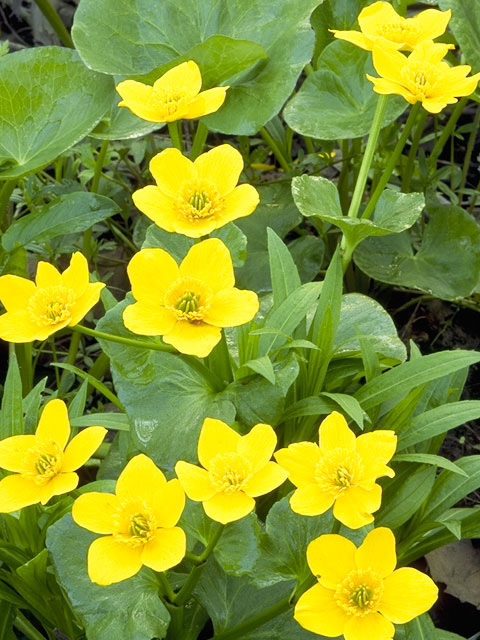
column 341, row 470
column 381, row 25
column 55, row 301
column 237, row 470
column 358, row 593
column 188, row 304
column 194, row 198
column 422, row 76
column 139, row 520
column 43, row 466
column 173, row 96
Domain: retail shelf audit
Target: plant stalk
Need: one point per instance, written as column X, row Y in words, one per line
column 277, row 152
column 199, row 140
column 54, row 19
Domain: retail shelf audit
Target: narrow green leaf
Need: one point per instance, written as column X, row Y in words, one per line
column 93, row 381
column 77, row 405
column 428, row 458
column 262, row 366
column 283, row 271
column 11, row 412
column 349, row 405
column 114, row 421
column 31, row 406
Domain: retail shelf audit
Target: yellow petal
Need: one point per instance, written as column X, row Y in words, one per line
column 85, row 302
column 165, row 550
column 216, row 437
column 388, row 87
column 15, row 292
column 95, row 511
column 54, row 424
column 373, row 17
column 222, row 166
column 232, row 307
column 59, row 484
column 140, row 480
column 258, row 445
column 240, row 202
column 389, row 63
column 13, row 450
column 195, row 481
column 432, row 23
column 435, row 106
column 193, row 228
column 355, row 37
column 268, row 478
column 310, row 500
column 17, row 492
column 210, row 262
column 76, row 276
column 156, row 205
column 228, row 507
column 17, row 326
column 82, row 447
column 428, row 51
column 377, row 552
column 372, row 626
column 334, row 433
column 110, row 560
column 206, row 102
column 317, row 611
column 186, row 76
column 354, row 506
column 47, row 275
column 169, row 503
column 147, row 320
column 376, row 449
column 171, row 170
column 193, row 339
column 138, row 98
column 300, row 460
column 407, row 594
column 151, row 272
column 330, row 558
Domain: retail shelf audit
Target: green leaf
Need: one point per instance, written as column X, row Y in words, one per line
column 465, row 25
column 262, row 365
column 307, row 253
column 420, row 629
column 49, row 101
column 446, row 265
column 70, row 213
column 122, row 124
column 114, row 421
column 11, row 412
column 283, row 271
column 311, row 406
column 428, row 458
column 31, row 406
column 145, row 35
column 7, row 616
column 334, row 14
column 129, row 610
column 348, row 405
column 340, row 91
column 77, row 405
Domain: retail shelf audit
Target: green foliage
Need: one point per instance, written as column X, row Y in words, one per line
column 465, row 25
column 11, row 411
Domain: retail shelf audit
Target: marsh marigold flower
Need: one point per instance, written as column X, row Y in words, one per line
column 54, row 301
column 138, row 520
column 173, row 96
column 423, row 76
column 359, row 594
column 188, row 304
column 42, row 466
column 236, row 470
column 340, row 471
column 194, row 198
column 381, row 25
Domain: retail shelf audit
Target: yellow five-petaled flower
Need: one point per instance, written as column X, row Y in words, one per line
column 139, row 521
column 194, row 198
column 237, row 470
column 42, row 466
column 173, row 96
column 359, row 594
column 54, row 301
column 340, row 471
column 188, row 304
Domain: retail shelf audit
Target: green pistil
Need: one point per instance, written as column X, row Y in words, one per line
column 188, row 302
column 199, row 201
column 343, row 477
column 139, row 526
column 361, row 596
column 45, row 463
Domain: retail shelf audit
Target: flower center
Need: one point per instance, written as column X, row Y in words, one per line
column 420, row 79
column 337, row 470
column 134, row 523
column 140, row 527
column 51, row 305
column 189, row 299
column 398, row 32
column 229, row 472
column 169, row 100
column 360, row 592
column 43, row 461
column 199, row 200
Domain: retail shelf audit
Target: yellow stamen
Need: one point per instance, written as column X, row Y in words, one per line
column 360, row 592
column 229, row 472
column 134, row 523
column 169, row 100
column 51, row 305
column 398, row 32
column 199, row 200
column 337, row 470
column 189, row 299
column 43, row 462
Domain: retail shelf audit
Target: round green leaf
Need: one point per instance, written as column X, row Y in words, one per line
column 465, row 24
column 48, row 102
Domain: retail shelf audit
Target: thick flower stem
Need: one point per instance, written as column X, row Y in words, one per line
column 235, row 633
column 27, row 628
column 5, row 193
column 87, row 236
column 199, row 140
column 72, row 353
column 175, row 134
column 53, row 18
column 412, row 154
column 277, row 152
column 446, row 133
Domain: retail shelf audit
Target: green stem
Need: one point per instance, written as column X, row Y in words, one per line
column 167, row 589
column 27, row 628
column 72, row 352
column 468, row 153
column 336, row 526
column 277, row 152
column 175, row 134
column 240, row 631
column 55, row 360
column 412, row 154
column 199, row 140
column 87, row 236
column 5, row 194
column 446, row 133
column 53, row 18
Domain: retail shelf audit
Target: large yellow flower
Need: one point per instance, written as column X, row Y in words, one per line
column 381, row 25
column 139, row 520
column 423, row 76
column 358, row 593
column 340, row 471
column 173, row 96
column 55, row 301
column 194, row 198
column 42, row 466
column 237, row 470
column 188, row 304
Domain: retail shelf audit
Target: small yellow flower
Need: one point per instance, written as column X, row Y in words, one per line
column 359, row 594
column 422, row 77
column 139, row 520
column 55, row 301
column 42, row 466
column 174, row 96
column 340, row 471
column 194, row 198
column 237, row 470
column 381, row 25
column 188, row 304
